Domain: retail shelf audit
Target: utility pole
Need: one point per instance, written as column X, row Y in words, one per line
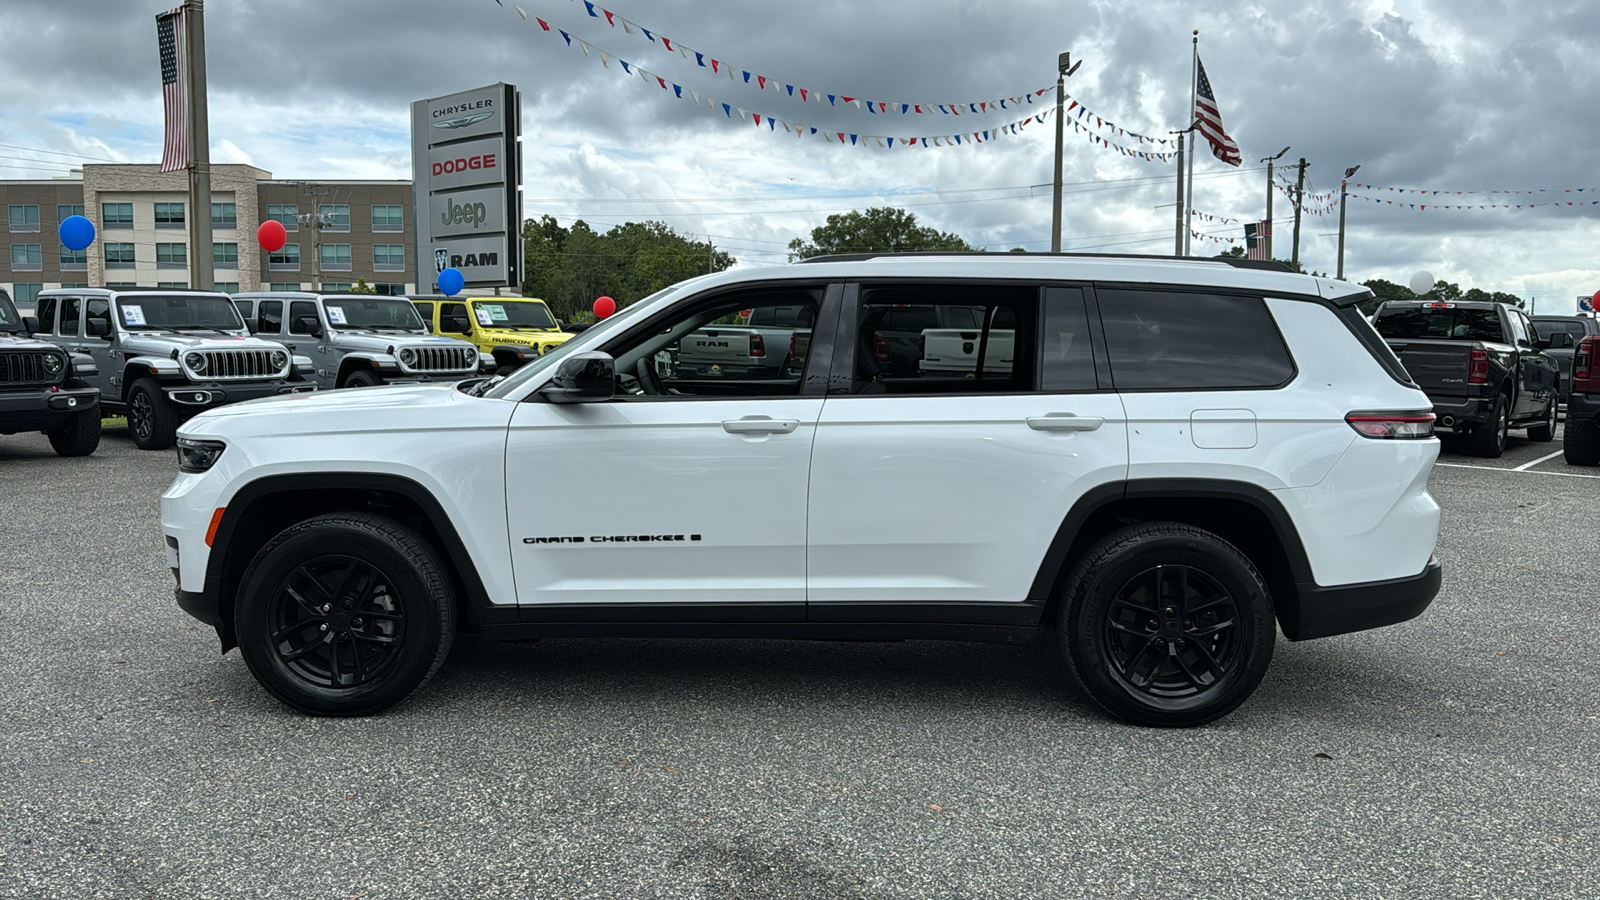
column 711, row 255
column 1299, row 201
column 315, row 221
column 1178, row 231
column 201, row 271
column 1342, row 184
column 1064, row 69
column 1266, row 248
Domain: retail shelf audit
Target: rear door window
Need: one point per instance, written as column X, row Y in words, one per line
column 301, row 309
column 1068, row 355
column 1177, row 341
column 71, row 309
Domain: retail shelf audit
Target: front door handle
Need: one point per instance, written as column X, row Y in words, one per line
column 760, row 425
column 1065, row 422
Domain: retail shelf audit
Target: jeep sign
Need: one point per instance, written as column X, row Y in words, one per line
column 466, row 183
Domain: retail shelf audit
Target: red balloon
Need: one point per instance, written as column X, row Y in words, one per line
column 604, row 307
column 272, row 235
column 1595, row 299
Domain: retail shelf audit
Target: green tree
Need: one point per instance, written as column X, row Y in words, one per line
column 361, row 287
column 569, row 267
column 879, row 229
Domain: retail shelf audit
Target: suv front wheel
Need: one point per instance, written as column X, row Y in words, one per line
column 345, row 614
column 1167, row 625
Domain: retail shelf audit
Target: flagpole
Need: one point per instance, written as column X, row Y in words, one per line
column 201, row 272
column 1187, row 200
column 1178, row 230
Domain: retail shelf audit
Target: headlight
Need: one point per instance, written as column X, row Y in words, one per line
column 53, row 363
column 198, row 456
column 472, row 356
column 408, row 357
column 280, row 359
column 196, row 362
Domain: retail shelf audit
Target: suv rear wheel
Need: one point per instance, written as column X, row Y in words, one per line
column 345, row 614
column 1167, row 625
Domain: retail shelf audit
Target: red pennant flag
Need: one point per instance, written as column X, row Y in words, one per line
column 762, row 81
column 609, row 17
column 802, row 95
column 841, row 136
column 911, row 141
column 666, row 42
column 663, row 82
column 1073, row 106
column 714, row 65
column 758, row 117
column 847, row 99
column 883, row 107
column 918, row 108
column 542, row 23
column 983, row 107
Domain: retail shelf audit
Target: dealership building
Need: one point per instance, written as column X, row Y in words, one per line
column 340, row 232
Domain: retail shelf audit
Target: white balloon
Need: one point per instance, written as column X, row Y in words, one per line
column 1421, row 283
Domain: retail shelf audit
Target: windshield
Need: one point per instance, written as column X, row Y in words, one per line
column 513, row 314
column 178, row 312
column 349, row 312
column 9, row 320
column 1441, row 323
column 588, row 339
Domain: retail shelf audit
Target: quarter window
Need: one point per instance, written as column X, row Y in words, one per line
column 1068, row 363
column 1170, row 341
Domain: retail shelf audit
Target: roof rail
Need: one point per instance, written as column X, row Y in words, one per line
column 152, row 290
column 1238, row 262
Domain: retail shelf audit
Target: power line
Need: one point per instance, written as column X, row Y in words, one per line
column 62, row 153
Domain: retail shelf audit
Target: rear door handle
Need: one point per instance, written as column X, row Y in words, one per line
column 760, row 425
column 1065, row 422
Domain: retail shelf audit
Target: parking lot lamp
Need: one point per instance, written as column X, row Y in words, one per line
column 1064, row 68
column 1342, row 185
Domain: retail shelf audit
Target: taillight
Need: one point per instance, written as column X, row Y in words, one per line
column 758, row 346
column 1583, row 358
column 880, row 347
column 1478, row 369
column 1392, row 425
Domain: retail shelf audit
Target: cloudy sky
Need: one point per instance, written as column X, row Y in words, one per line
column 1436, row 95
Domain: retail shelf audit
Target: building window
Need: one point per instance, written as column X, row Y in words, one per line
column 225, row 255
column 336, row 216
column 336, row 257
column 116, row 215
column 169, row 215
column 388, row 218
column 27, row 293
column 284, row 259
column 27, row 257
column 67, row 210
column 228, row 287
column 336, row 287
column 390, row 289
column 172, row 284
column 388, row 258
column 281, row 286
column 118, row 285
column 224, row 216
column 74, row 284
column 285, row 214
column 24, row 216
column 119, row 256
column 172, row 256
column 74, row 260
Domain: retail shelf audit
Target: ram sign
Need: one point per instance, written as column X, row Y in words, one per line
column 466, row 181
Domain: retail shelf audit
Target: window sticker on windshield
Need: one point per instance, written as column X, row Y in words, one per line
column 497, row 312
column 336, row 315
column 132, row 314
column 483, row 317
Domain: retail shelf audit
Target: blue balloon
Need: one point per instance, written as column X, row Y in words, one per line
column 77, row 233
column 451, row 281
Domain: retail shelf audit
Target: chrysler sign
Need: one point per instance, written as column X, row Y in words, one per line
column 466, row 183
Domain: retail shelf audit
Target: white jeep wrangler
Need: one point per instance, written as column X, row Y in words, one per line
column 1179, row 458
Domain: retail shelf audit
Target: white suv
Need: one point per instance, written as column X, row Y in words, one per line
column 1178, row 456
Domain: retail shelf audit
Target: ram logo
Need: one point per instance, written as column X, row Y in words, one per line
column 711, row 343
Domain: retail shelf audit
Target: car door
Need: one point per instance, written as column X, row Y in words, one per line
column 1540, row 369
column 938, row 494
column 301, row 340
column 107, row 360
column 692, row 501
column 449, row 312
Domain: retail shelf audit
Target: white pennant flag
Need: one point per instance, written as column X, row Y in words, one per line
column 857, row 102
column 742, row 116
column 784, row 124
column 645, row 75
column 879, row 140
column 627, row 26
column 696, row 96
column 521, row 12
column 605, row 59
column 584, row 47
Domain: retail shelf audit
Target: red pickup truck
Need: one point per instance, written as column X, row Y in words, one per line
column 1581, row 444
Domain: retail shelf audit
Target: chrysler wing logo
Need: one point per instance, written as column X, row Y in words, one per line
column 464, row 121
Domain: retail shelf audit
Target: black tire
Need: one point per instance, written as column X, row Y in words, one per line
column 345, row 614
column 1176, row 600
column 78, row 436
column 1545, row 432
column 1580, row 445
column 1489, row 441
column 152, row 422
column 362, row 378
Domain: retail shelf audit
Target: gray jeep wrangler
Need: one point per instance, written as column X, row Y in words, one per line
column 42, row 387
column 164, row 354
column 355, row 340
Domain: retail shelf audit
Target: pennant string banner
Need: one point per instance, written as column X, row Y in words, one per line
column 1433, row 193
column 743, row 75
column 1083, row 114
column 1425, row 205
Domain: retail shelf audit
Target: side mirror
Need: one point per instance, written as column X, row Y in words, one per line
column 458, row 324
column 308, row 325
column 588, row 377
column 30, row 324
column 97, row 328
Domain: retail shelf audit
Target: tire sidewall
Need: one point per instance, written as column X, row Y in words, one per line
column 163, row 419
column 258, row 593
column 362, row 378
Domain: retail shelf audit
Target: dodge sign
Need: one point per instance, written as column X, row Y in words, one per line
column 466, row 183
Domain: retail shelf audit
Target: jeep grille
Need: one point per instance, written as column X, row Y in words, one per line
column 441, row 359
column 27, row 367
column 239, row 365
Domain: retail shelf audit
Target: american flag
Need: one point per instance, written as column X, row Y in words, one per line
column 174, row 78
column 1210, row 120
column 1255, row 239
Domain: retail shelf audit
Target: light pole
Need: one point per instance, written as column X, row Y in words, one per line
column 1064, row 68
column 1269, row 160
column 1347, row 173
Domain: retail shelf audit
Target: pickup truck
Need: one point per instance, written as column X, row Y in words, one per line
column 1563, row 334
column 1479, row 365
column 772, row 343
column 1581, row 443
column 957, row 349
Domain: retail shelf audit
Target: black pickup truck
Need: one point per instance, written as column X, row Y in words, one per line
column 1564, row 334
column 1581, row 443
column 1482, row 365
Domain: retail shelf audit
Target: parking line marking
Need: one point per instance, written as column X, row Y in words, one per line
column 1526, row 466
column 1524, row 472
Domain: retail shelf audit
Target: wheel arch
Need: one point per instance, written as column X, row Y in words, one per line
column 264, row 507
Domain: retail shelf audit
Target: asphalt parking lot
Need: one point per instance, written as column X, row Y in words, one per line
column 1451, row 756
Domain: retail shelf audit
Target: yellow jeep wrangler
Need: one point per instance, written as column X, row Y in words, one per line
column 510, row 330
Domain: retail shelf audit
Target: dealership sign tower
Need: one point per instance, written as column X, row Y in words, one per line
column 466, row 164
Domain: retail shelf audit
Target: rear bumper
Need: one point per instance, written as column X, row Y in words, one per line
column 1319, row 612
column 1583, row 406
column 1453, row 411
column 43, row 408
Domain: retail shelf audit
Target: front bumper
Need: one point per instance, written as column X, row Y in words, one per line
column 208, row 394
column 1318, row 612
column 43, row 408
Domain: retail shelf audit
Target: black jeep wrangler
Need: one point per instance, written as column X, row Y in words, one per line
column 41, row 388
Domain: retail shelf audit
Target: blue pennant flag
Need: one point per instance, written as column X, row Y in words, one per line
column 590, row 6
column 568, row 37
column 958, row 138
column 813, row 131
column 1002, row 104
column 872, row 108
column 700, row 59
column 747, row 78
column 891, row 142
column 648, row 35
column 772, row 124
column 625, row 66
column 728, row 111
column 904, row 107
column 830, row 100
column 790, row 88
column 852, row 140
column 678, row 89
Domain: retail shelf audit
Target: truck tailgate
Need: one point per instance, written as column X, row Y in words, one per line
column 1438, row 367
column 956, row 350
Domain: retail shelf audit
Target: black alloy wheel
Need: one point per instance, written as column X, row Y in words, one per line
column 1172, row 631
column 336, row 622
column 152, row 422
